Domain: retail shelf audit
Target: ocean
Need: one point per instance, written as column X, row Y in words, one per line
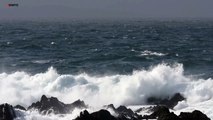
column 104, row 62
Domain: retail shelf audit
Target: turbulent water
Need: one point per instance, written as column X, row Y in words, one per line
column 122, row 63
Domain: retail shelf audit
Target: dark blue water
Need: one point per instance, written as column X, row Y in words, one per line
column 106, row 47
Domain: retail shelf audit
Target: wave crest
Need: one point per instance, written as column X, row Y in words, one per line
column 159, row 81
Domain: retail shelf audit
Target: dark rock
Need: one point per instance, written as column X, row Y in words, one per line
column 53, row 105
column 44, row 98
column 140, row 109
column 84, row 113
column 7, row 112
column 99, row 115
column 174, row 100
column 195, row 115
column 124, row 111
column 110, row 106
column 163, row 113
column 123, row 114
column 84, row 116
column 169, row 116
column 148, row 109
column 159, row 111
column 169, row 102
column 103, row 115
column 20, row 107
column 77, row 104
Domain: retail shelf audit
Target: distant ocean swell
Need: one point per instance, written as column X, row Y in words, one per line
column 159, row 81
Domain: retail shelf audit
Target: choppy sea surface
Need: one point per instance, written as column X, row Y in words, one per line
column 122, row 63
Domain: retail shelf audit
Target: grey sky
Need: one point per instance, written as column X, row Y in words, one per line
column 106, row 9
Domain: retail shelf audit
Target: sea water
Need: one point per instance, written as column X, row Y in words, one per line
column 105, row 62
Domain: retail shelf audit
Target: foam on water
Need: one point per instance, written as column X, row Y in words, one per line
column 40, row 61
column 34, row 115
column 150, row 53
column 159, row 81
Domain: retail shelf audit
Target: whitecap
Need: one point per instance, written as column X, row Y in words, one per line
column 9, row 43
column 150, row 53
column 52, row 43
column 40, row 61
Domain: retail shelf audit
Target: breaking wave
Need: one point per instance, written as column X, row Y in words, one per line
column 34, row 115
column 159, row 81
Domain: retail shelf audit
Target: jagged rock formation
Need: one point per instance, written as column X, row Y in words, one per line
column 195, row 115
column 169, row 102
column 53, row 105
column 20, row 107
column 162, row 113
column 99, row 115
column 7, row 112
column 77, row 104
column 147, row 109
column 123, row 112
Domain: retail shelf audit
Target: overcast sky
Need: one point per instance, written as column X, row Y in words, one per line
column 106, row 9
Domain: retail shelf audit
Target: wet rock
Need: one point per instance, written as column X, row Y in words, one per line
column 99, row 115
column 122, row 110
column 147, row 109
column 110, row 106
column 173, row 101
column 49, row 105
column 163, row 113
column 160, row 111
column 53, row 105
column 195, row 115
column 7, row 112
column 20, row 107
column 169, row 116
column 169, row 102
column 77, row 104
column 103, row 115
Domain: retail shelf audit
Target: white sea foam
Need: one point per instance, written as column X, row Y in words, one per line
column 34, row 115
column 150, row 53
column 40, row 61
column 159, row 81
column 144, row 111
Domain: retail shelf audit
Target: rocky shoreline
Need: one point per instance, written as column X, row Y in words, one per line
column 53, row 106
